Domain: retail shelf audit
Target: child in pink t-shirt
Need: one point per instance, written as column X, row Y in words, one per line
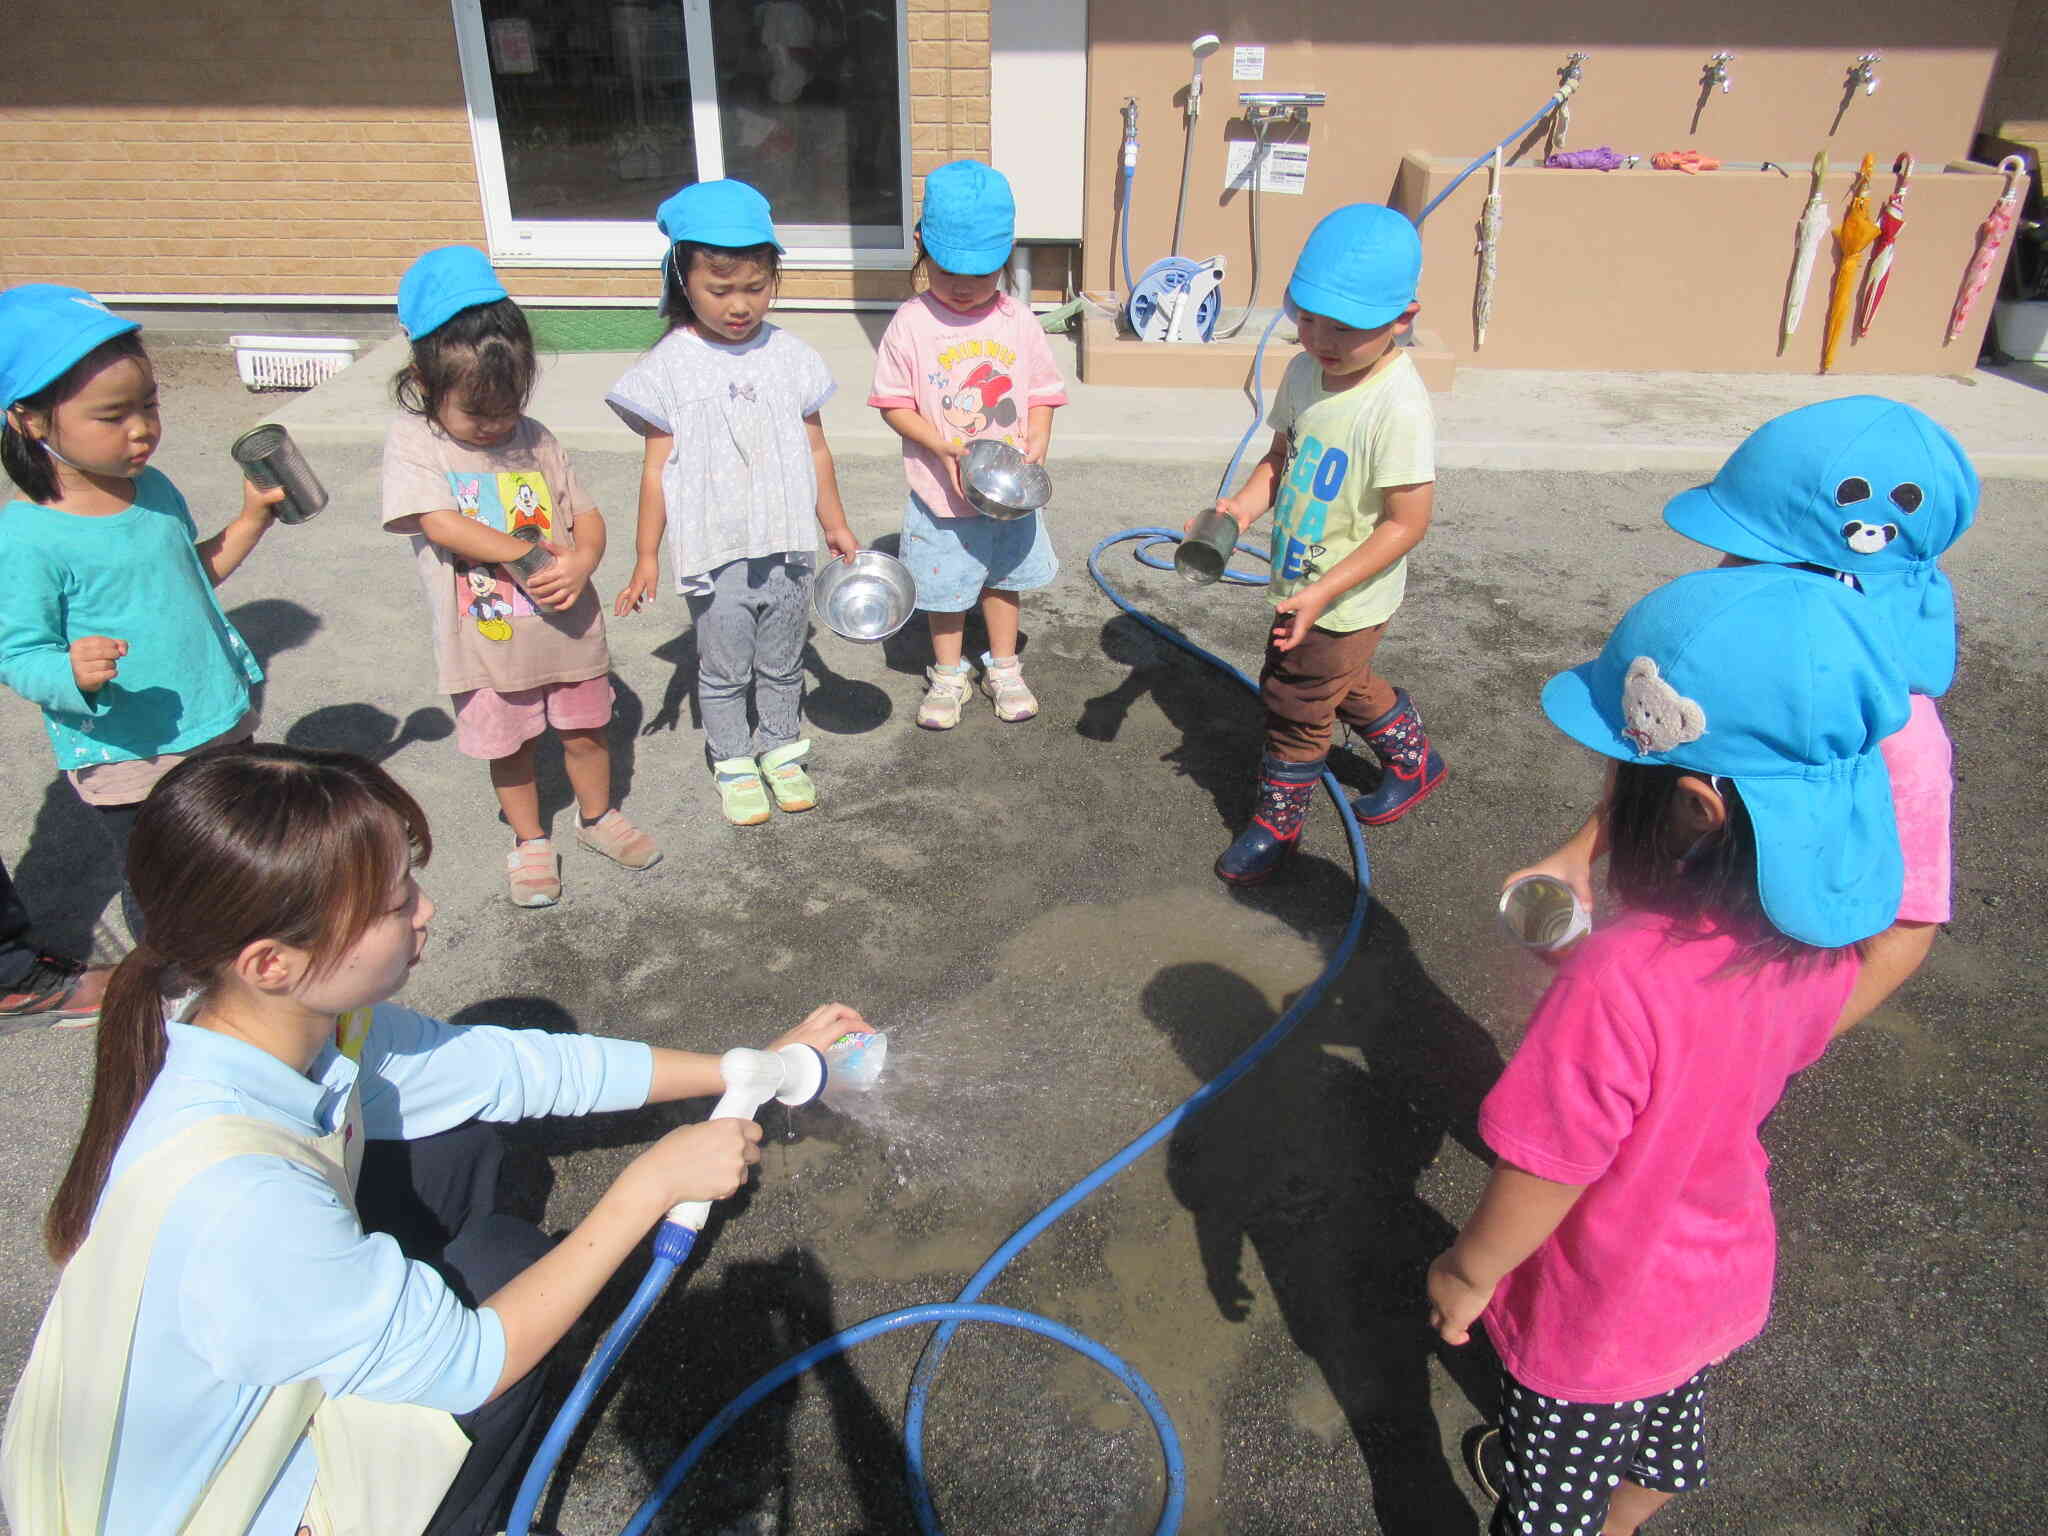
column 1625, row 1241
column 961, row 362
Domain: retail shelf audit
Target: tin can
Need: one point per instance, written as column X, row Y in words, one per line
column 1207, row 547
column 269, row 459
column 530, row 564
column 1542, row 912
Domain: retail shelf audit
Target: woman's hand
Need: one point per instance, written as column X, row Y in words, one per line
column 640, row 590
column 1454, row 1302
column 706, row 1161
column 824, row 1025
column 842, row 541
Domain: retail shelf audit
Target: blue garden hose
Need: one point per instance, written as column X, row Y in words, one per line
column 1130, row 174
column 1550, row 106
column 964, row 1307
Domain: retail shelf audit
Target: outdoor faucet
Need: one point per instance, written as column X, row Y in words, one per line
column 1561, row 111
column 1862, row 73
column 1716, row 73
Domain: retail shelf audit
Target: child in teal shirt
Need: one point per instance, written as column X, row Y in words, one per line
column 108, row 620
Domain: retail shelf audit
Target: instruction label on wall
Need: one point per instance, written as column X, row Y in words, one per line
column 1248, row 63
column 1281, row 167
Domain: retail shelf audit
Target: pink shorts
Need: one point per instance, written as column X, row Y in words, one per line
column 490, row 724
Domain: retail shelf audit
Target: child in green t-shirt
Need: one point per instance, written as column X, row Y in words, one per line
column 1350, row 479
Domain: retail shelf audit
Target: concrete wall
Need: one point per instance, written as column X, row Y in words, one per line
column 297, row 147
column 1447, row 79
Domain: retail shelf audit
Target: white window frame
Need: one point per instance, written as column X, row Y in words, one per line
column 515, row 242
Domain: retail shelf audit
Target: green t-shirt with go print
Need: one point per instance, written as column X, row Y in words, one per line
column 1346, row 446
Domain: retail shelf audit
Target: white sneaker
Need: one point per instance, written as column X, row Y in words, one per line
column 945, row 693
column 1003, row 682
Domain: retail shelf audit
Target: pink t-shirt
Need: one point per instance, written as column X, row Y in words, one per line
column 1922, row 765
column 969, row 375
column 1644, row 1075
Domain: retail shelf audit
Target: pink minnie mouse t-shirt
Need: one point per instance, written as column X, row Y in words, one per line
column 970, row 375
column 1646, row 1070
column 1922, row 765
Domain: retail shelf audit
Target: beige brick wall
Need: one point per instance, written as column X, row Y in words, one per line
column 321, row 150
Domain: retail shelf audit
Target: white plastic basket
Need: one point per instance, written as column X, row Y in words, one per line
column 290, row 362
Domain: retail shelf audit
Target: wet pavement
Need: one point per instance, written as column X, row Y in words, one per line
column 1029, row 910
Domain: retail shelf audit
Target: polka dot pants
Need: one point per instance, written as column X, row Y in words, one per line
column 1564, row 1459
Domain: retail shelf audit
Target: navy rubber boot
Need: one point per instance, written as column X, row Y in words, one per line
column 1261, row 848
column 1410, row 766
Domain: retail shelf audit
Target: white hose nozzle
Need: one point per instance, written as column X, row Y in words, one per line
column 793, row 1075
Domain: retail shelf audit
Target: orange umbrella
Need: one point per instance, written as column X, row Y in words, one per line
column 1855, row 236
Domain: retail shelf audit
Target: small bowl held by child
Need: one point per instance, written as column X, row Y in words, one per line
column 1000, row 482
column 867, row 598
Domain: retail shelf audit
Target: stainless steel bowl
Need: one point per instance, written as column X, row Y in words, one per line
column 1000, row 482
column 866, row 598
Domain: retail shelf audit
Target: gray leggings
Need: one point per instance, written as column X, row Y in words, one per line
column 751, row 632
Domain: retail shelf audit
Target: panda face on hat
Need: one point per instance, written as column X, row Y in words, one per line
column 1862, row 483
column 1870, row 533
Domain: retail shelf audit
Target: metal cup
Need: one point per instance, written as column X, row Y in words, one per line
column 1542, row 912
column 269, row 458
column 1207, row 547
column 530, row 564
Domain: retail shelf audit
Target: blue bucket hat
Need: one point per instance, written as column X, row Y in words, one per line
column 1360, row 266
column 442, row 284
column 45, row 328
column 1863, row 485
column 969, row 221
column 728, row 213
column 1785, row 681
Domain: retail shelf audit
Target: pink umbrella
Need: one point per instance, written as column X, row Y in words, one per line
column 1990, row 239
column 1890, row 221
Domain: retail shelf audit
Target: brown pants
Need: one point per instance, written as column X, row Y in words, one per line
column 1326, row 678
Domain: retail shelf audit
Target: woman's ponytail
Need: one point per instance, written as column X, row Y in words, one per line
column 234, row 845
column 129, row 1056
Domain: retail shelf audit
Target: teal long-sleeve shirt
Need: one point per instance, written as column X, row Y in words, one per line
column 134, row 576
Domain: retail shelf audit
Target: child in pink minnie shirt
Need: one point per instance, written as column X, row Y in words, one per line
column 961, row 362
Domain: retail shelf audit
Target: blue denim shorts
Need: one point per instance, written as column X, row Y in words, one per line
column 954, row 559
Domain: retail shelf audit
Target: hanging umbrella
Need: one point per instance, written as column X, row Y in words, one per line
column 1889, row 223
column 1990, row 237
column 1813, row 229
column 1489, row 241
column 1857, row 232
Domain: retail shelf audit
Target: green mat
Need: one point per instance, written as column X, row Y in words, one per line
column 595, row 330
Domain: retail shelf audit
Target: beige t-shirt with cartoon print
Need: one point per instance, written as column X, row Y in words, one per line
column 487, row 632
